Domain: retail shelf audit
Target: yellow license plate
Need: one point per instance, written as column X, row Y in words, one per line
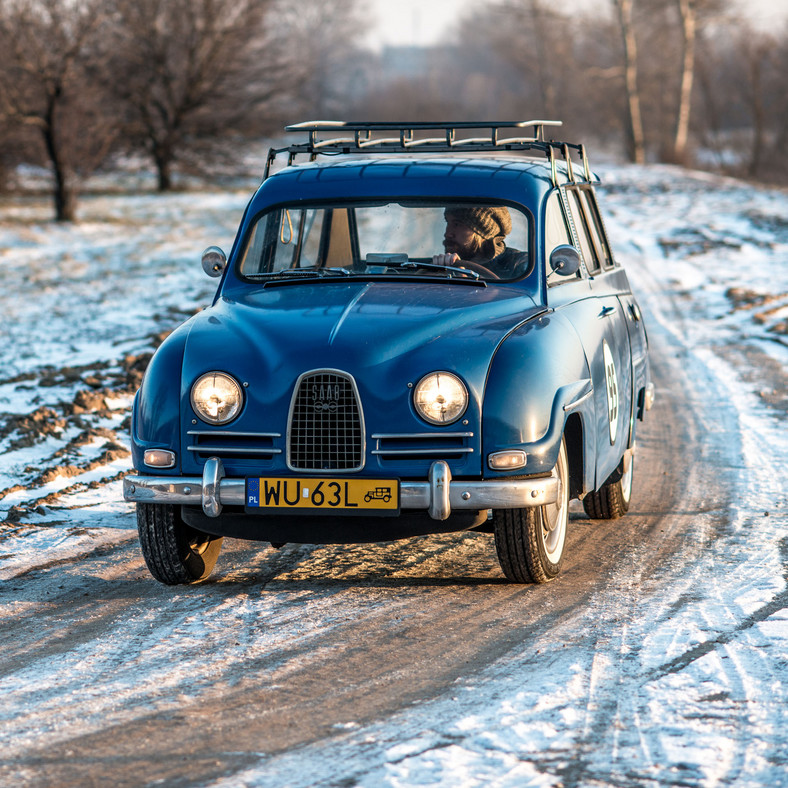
column 324, row 494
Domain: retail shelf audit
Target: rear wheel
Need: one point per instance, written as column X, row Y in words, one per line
column 611, row 500
column 174, row 551
column 530, row 542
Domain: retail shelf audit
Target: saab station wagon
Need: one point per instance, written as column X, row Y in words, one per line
column 420, row 328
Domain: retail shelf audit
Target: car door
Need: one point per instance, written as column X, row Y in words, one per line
column 602, row 323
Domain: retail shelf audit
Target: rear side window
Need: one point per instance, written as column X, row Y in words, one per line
column 597, row 229
column 583, row 232
column 590, row 230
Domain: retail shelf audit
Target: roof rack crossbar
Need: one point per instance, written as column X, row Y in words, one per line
column 342, row 125
column 425, row 141
column 364, row 140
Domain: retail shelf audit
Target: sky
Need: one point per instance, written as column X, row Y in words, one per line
column 419, row 22
column 424, row 22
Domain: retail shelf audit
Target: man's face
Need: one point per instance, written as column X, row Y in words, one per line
column 457, row 238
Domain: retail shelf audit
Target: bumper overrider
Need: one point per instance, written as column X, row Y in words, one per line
column 439, row 496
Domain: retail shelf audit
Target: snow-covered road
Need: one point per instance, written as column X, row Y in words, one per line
column 659, row 658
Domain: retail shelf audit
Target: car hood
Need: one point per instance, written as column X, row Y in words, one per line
column 384, row 334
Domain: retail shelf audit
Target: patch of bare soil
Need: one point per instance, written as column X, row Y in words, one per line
column 769, row 310
column 87, row 412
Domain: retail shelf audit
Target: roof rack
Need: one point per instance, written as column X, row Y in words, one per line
column 382, row 137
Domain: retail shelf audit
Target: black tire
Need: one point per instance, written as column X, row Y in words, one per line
column 175, row 552
column 611, row 500
column 530, row 542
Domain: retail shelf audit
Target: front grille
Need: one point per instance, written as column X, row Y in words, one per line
column 326, row 430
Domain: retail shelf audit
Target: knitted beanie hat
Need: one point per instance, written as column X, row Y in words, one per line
column 489, row 222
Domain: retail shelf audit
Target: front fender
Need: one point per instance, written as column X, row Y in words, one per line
column 156, row 413
column 537, row 377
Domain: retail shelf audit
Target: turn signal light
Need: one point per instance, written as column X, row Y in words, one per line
column 159, row 458
column 507, row 460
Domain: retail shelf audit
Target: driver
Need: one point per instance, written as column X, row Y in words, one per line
column 476, row 234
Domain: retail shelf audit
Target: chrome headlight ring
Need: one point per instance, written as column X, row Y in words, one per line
column 440, row 398
column 216, row 397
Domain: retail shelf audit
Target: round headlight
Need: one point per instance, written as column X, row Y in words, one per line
column 440, row 398
column 216, row 398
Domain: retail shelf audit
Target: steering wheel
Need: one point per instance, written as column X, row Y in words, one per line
column 478, row 267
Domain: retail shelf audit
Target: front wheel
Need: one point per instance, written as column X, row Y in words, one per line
column 530, row 542
column 174, row 552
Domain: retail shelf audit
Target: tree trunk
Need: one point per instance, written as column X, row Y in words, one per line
column 688, row 27
column 63, row 193
column 758, row 114
column 637, row 140
column 162, row 156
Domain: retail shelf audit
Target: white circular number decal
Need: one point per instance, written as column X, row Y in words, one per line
column 611, row 381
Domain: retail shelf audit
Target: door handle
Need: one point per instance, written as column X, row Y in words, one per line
column 607, row 311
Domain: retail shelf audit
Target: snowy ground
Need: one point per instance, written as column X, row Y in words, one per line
column 665, row 683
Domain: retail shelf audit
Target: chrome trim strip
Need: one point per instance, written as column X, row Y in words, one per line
column 234, row 434
column 439, row 450
column 419, row 435
column 232, row 450
column 185, row 490
column 450, row 494
column 578, row 402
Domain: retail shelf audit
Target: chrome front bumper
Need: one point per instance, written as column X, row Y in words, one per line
column 438, row 496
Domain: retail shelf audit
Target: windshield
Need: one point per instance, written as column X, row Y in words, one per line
column 470, row 240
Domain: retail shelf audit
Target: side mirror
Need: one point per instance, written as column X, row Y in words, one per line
column 565, row 260
column 214, row 261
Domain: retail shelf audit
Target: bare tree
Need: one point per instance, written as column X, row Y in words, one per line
column 757, row 52
column 521, row 52
column 325, row 68
column 688, row 30
column 196, row 76
column 47, row 49
column 178, row 71
column 692, row 17
column 637, row 137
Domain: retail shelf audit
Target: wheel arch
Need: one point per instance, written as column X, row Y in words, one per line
column 538, row 374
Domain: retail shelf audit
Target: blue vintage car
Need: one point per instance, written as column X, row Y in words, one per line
column 421, row 329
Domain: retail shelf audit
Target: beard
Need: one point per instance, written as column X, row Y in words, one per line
column 452, row 247
column 464, row 252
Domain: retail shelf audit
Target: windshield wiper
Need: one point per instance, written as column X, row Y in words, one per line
column 412, row 265
column 305, row 272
